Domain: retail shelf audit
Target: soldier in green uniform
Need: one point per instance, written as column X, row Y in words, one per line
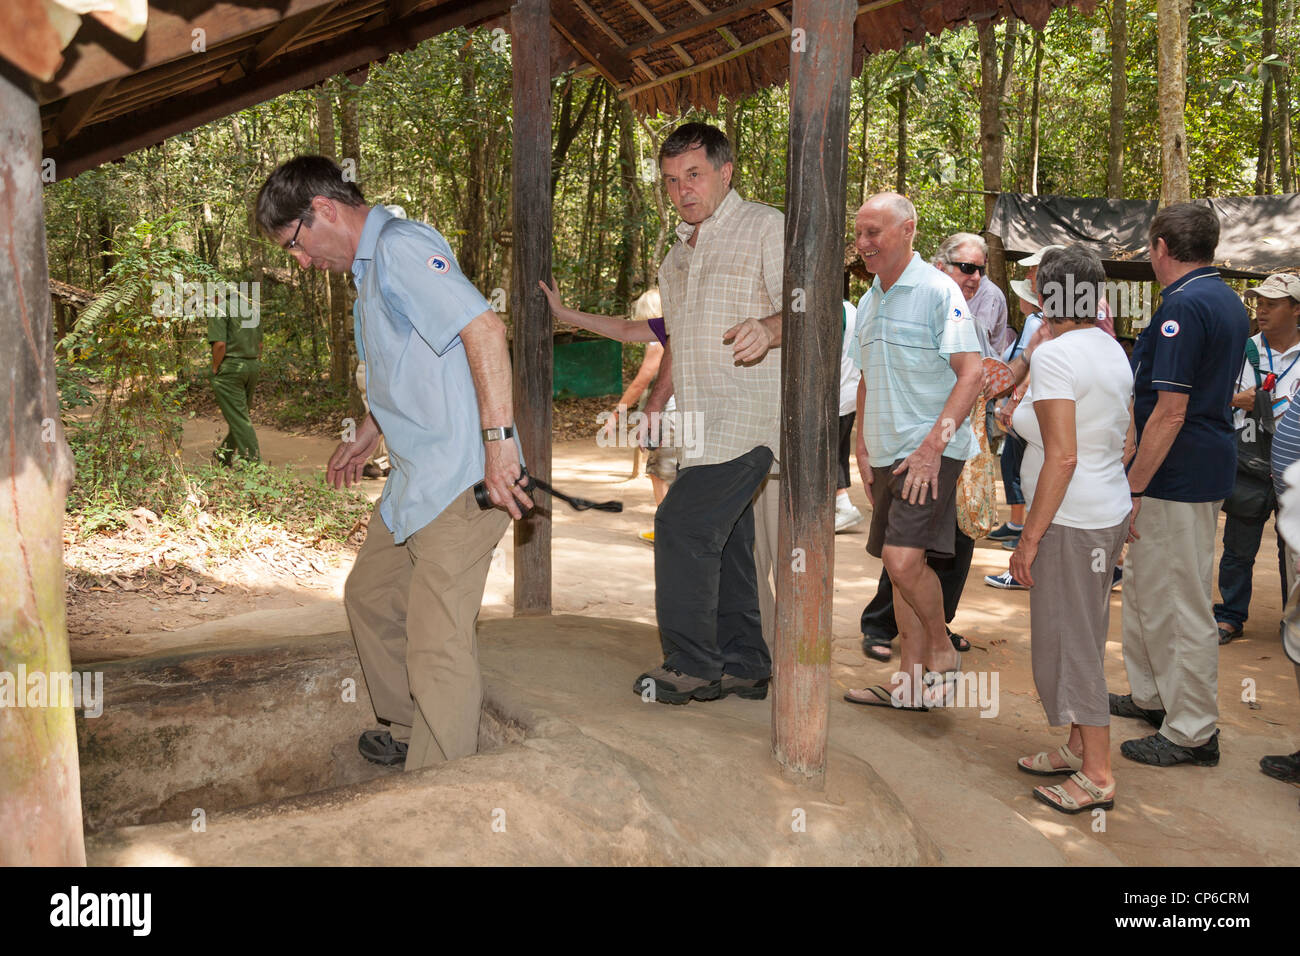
column 236, row 353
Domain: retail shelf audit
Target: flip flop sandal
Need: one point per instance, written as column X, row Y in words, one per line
column 877, row 651
column 959, row 642
column 879, row 697
column 1228, row 634
column 1040, row 764
column 1101, row 799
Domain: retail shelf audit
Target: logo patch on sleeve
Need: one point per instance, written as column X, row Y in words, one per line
column 1169, row 329
column 439, row 264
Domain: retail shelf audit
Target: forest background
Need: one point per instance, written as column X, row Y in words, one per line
column 1070, row 110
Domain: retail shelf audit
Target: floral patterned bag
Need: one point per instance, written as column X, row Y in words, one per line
column 977, row 503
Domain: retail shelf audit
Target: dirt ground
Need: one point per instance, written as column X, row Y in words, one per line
column 603, row 569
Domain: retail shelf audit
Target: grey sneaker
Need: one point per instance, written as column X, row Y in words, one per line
column 667, row 685
column 745, row 687
column 378, row 746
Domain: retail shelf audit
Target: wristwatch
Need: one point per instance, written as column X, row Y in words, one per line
column 498, row 433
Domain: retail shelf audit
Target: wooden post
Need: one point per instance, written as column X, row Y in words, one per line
column 530, row 24
column 40, row 784
column 821, row 51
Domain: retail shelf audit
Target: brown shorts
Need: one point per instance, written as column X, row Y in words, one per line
column 895, row 522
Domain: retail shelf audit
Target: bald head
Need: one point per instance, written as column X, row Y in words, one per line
column 899, row 206
column 884, row 229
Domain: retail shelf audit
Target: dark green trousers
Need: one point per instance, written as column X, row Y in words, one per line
column 233, row 385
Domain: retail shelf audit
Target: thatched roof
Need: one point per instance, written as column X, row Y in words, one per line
column 200, row 60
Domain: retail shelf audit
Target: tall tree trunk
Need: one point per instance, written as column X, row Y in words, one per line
column 993, row 85
column 105, row 239
column 343, row 352
column 863, row 157
column 1283, row 79
column 900, row 176
column 40, row 780
column 1118, row 97
column 1033, row 112
column 630, row 239
column 1264, row 165
column 1171, row 33
column 567, row 129
column 661, row 207
column 334, row 286
column 473, row 210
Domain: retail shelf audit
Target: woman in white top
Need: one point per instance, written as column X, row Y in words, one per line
column 1076, row 422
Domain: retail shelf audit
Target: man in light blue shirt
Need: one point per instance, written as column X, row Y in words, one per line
column 438, row 382
column 920, row 361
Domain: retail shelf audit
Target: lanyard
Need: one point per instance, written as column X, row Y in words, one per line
column 1269, row 349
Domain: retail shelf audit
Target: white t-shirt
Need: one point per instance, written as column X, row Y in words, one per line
column 849, row 374
column 1089, row 367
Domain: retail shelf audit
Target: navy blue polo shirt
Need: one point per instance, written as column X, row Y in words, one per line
column 1193, row 346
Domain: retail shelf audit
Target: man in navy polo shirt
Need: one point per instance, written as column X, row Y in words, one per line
column 1185, row 369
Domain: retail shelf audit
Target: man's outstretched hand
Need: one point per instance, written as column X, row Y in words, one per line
column 344, row 468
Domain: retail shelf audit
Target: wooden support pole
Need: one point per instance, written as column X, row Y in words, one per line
column 40, row 782
column 530, row 26
column 820, row 70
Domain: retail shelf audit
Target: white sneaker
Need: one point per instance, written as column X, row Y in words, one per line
column 846, row 518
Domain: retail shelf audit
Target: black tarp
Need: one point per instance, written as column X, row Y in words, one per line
column 1259, row 235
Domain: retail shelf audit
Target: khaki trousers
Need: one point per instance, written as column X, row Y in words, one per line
column 413, row 609
column 1171, row 643
column 767, row 519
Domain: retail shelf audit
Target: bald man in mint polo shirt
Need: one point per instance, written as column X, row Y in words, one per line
column 438, row 382
column 920, row 359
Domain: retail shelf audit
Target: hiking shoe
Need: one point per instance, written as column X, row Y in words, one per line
column 744, row 687
column 1004, row 581
column 846, row 518
column 1010, row 544
column 1124, row 707
column 1159, row 751
column 667, row 685
column 378, row 746
column 1281, row 767
column 1004, row 533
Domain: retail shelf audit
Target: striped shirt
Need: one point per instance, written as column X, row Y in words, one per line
column 734, row 272
column 1286, row 444
column 905, row 337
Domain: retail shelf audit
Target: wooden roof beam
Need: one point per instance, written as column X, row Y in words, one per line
column 713, row 21
column 659, row 28
column 97, row 55
column 617, row 40
column 277, row 41
column 105, row 142
column 77, row 111
column 607, row 59
column 727, row 35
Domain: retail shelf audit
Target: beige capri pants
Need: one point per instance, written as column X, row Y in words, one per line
column 1069, row 614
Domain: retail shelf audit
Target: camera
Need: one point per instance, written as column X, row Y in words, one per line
column 525, row 481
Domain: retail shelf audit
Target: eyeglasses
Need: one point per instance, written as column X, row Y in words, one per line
column 293, row 243
column 969, row 268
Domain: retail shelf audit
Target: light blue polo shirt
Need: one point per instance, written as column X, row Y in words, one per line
column 904, row 339
column 412, row 302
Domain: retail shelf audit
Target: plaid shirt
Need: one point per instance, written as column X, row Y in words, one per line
column 733, row 273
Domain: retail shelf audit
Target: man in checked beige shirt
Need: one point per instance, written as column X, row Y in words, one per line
column 721, row 287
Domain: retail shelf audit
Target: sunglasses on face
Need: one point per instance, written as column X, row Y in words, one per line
column 968, row 268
